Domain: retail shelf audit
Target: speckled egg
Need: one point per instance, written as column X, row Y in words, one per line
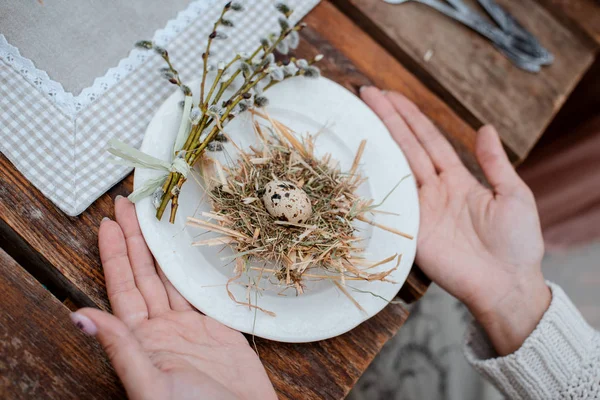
column 287, row 202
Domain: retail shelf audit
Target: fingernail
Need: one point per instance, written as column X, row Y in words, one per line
column 360, row 89
column 118, row 197
column 86, row 325
column 384, row 91
column 105, row 219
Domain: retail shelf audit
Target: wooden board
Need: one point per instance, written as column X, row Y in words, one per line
column 326, row 369
column 584, row 14
column 384, row 71
column 470, row 75
column 330, row 368
column 582, row 105
column 42, row 355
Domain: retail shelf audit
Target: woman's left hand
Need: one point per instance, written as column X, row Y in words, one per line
column 159, row 345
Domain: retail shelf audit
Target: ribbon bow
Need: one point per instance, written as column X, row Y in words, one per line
column 131, row 157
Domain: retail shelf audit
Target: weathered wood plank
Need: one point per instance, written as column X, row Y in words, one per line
column 318, row 371
column 584, row 14
column 64, row 247
column 582, row 105
column 470, row 74
column 384, row 71
column 42, row 355
column 330, row 368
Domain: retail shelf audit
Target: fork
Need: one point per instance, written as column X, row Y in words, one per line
column 514, row 28
column 510, row 46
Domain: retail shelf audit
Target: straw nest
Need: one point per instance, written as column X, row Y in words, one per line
column 325, row 246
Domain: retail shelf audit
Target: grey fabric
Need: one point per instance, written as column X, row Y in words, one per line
column 558, row 360
column 424, row 361
column 75, row 41
column 411, row 365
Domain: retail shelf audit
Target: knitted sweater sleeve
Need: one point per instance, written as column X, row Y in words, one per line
column 559, row 360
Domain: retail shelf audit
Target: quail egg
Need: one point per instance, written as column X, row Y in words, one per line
column 287, row 202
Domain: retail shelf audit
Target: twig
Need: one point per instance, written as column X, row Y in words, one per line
column 352, row 299
column 385, row 228
column 359, row 153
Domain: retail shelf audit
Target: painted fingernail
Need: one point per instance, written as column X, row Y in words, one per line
column 86, row 325
column 105, row 219
column 118, row 197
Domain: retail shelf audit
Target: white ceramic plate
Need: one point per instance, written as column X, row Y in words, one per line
column 323, row 311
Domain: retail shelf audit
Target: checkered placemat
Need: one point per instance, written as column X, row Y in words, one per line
column 58, row 140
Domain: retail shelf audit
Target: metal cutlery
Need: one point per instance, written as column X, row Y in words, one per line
column 511, row 38
column 511, row 26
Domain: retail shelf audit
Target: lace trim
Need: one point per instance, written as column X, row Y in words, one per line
column 71, row 105
column 36, row 77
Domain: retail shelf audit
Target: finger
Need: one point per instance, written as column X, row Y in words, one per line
column 176, row 300
column 141, row 260
column 437, row 147
column 494, row 161
column 125, row 299
column 132, row 365
column 419, row 161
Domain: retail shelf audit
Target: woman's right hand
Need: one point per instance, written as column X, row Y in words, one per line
column 160, row 346
column 484, row 246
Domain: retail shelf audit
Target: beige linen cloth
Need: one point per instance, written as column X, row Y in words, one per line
column 70, row 80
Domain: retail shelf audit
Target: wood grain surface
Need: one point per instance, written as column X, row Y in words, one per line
column 470, row 75
column 479, row 84
column 42, row 355
column 328, row 369
column 385, row 72
column 321, row 370
column 584, row 14
column 62, row 251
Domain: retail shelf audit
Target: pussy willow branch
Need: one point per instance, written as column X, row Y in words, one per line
column 199, row 128
column 218, row 78
column 226, row 84
column 175, row 179
column 206, row 53
column 177, row 81
column 194, row 136
column 168, row 60
column 193, row 148
column 223, row 86
column 298, row 73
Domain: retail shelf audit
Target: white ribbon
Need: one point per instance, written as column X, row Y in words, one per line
column 184, row 126
column 132, row 157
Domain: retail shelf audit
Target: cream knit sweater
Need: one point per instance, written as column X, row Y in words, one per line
column 559, row 360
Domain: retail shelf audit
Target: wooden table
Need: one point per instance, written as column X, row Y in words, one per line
column 473, row 77
column 42, row 355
